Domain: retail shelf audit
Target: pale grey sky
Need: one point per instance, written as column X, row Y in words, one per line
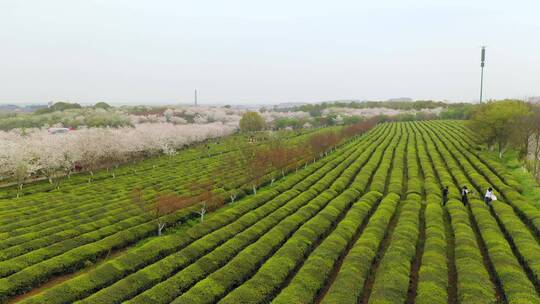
column 133, row 51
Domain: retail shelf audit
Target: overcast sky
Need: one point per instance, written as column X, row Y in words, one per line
column 133, row 51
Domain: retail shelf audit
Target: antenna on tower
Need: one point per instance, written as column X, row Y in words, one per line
column 482, row 63
column 195, row 97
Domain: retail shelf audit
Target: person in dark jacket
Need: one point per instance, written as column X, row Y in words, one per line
column 464, row 195
column 444, row 195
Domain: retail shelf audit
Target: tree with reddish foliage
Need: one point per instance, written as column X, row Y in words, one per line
column 257, row 165
column 321, row 143
column 280, row 158
column 317, row 144
column 265, row 160
column 207, row 198
column 360, row 127
column 298, row 155
column 332, row 140
column 221, row 173
column 161, row 206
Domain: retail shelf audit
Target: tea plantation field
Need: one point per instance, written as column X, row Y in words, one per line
column 364, row 224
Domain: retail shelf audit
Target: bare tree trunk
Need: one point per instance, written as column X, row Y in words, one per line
column 19, row 190
column 160, row 228
column 535, row 166
column 501, row 150
column 254, row 189
column 536, row 154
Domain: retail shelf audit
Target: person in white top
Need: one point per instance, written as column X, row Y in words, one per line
column 489, row 196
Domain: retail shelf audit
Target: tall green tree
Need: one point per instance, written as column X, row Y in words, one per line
column 102, row 105
column 500, row 124
column 251, row 121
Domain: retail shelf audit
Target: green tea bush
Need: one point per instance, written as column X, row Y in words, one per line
column 392, row 278
column 474, row 285
column 514, row 281
column 433, row 273
column 347, row 287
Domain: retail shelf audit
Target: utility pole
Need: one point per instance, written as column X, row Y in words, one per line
column 482, row 63
column 195, row 97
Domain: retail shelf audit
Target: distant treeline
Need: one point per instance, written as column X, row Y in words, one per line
column 69, row 115
column 450, row 110
column 397, row 105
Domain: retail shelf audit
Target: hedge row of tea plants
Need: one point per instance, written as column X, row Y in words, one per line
column 348, row 284
column 150, row 252
column 462, row 136
column 284, row 252
column 510, row 274
column 317, row 268
column 286, row 258
column 517, row 287
column 318, row 234
column 525, row 209
column 392, row 278
column 433, row 274
column 312, row 276
column 473, row 282
column 239, row 236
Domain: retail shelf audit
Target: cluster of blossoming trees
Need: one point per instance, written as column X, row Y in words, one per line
column 37, row 152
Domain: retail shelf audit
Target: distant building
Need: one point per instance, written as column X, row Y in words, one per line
column 534, row 99
column 58, row 130
column 20, row 109
column 9, row 108
column 32, row 108
column 401, row 99
column 287, row 105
